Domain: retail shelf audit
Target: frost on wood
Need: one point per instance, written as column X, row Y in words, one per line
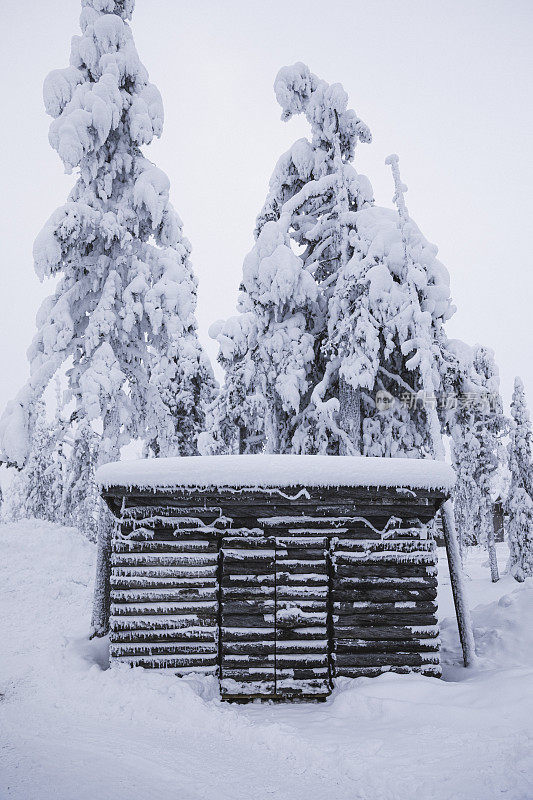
column 519, row 504
column 123, row 313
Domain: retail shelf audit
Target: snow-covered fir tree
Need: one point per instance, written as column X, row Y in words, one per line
column 267, row 383
column 476, row 424
column 386, row 329
column 302, row 237
column 235, row 420
column 460, row 384
column 38, row 487
column 79, row 503
column 519, row 503
column 122, row 318
column 490, row 426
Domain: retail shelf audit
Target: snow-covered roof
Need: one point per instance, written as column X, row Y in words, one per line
column 276, row 471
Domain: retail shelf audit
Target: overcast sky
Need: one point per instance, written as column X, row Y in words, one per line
column 445, row 84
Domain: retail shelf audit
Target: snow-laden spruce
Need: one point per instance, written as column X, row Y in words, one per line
column 371, row 319
column 122, row 318
column 268, row 381
column 302, row 240
column 476, row 424
column 386, row 328
column 37, row 490
column 519, row 504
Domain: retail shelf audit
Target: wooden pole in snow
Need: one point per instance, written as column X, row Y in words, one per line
column 462, row 612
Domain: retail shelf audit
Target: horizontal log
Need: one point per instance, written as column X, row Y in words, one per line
column 387, row 609
column 189, row 560
column 318, row 685
column 430, row 670
column 161, row 571
column 381, row 545
column 247, row 661
column 310, row 554
column 384, row 569
column 252, row 675
column 170, row 662
column 380, row 659
column 386, row 595
column 249, row 557
column 303, row 540
column 301, row 632
column 192, row 634
column 189, row 497
column 256, row 580
column 236, row 690
column 143, row 582
column 178, row 649
column 248, row 543
column 343, row 558
column 166, row 546
column 161, row 622
column 404, row 583
column 199, row 608
column 302, row 619
column 261, row 648
column 180, row 672
column 254, row 606
column 254, row 568
column 284, row 607
column 247, row 620
column 393, row 633
column 162, row 595
column 296, row 567
column 301, row 661
column 367, row 617
column 301, row 579
column 314, row 673
column 413, row 645
column 298, row 593
column 250, row 593
column 234, row 634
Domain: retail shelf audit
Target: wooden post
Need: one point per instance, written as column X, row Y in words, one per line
column 464, row 621
column 102, row 581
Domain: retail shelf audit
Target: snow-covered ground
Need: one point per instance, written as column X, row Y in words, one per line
column 70, row 729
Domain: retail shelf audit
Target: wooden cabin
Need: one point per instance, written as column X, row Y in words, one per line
column 275, row 573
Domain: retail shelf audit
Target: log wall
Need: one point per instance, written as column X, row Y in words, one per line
column 275, row 592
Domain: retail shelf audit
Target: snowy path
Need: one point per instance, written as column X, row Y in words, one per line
column 70, row 730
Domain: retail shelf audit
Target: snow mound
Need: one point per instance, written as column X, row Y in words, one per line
column 277, row 470
column 502, row 629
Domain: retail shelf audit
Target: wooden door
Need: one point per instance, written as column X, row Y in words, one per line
column 274, row 615
column 247, row 614
column 302, row 589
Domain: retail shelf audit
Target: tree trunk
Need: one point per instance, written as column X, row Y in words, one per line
column 491, row 546
column 350, row 418
column 102, row 583
column 464, row 620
